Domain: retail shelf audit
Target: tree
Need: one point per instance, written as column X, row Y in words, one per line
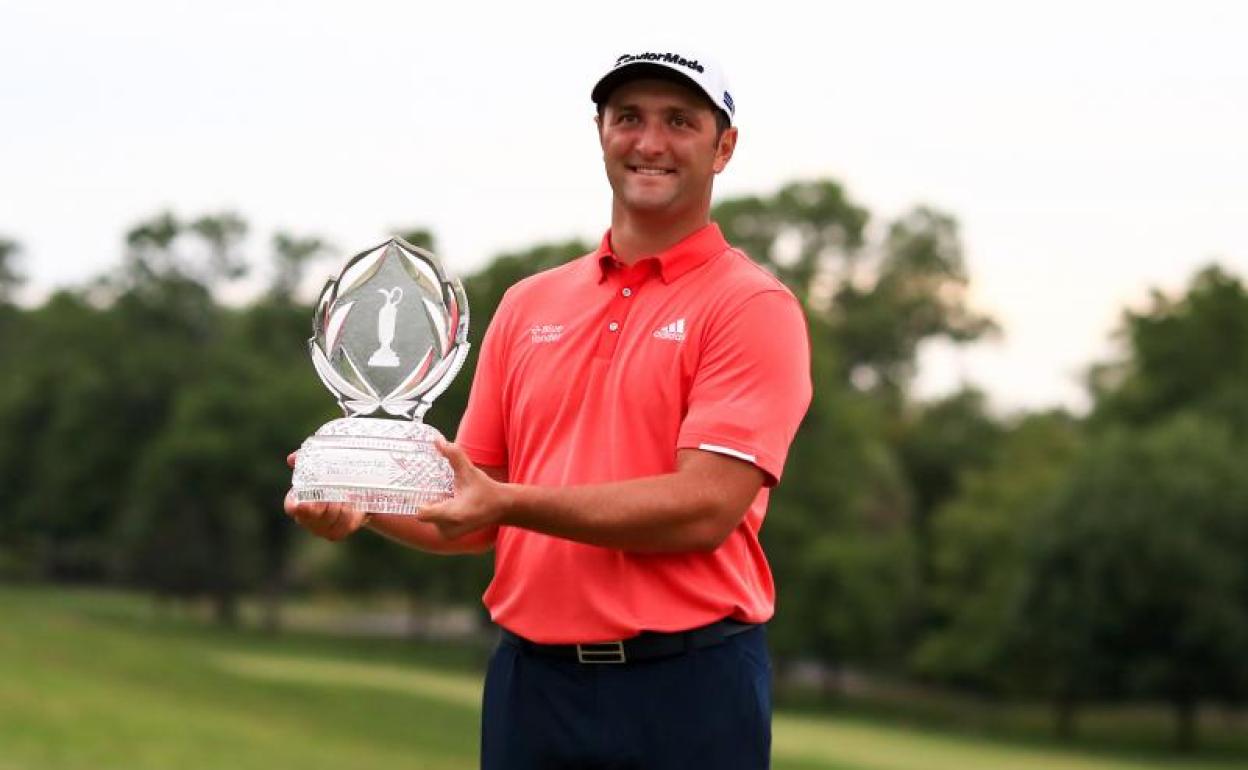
column 204, row 250
column 10, row 278
column 190, row 526
column 63, row 414
column 938, row 444
column 880, row 300
column 978, row 537
column 918, row 294
column 1136, row 582
column 221, row 233
column 805, row 233
column 1180, row 354
column 291, row 256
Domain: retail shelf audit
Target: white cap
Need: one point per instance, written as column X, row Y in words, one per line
column 700, row 72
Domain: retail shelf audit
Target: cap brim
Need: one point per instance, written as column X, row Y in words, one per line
column 641, row 71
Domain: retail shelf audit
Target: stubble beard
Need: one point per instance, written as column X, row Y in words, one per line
column 635, row 197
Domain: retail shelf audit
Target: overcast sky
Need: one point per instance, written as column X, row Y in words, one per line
column 1090, row 150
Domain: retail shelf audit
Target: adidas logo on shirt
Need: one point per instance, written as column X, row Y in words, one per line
column 674, row 331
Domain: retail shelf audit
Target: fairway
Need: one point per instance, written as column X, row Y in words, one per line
column 90, row 681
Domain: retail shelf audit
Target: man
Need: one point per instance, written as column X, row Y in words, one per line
column 629, row 413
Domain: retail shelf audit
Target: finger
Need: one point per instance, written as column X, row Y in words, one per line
column 317, row 518
column 347, row 522
column 290, row 459
column 353, row 519
column 305, row 514
column 289, row 505
column 302, row 512
column 458, row 459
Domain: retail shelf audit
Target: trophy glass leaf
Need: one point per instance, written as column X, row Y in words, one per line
column 335, row 381
column 414, row 383
column 411, row 386
column 360, row 269
column 353, row 375
column 415, row 262
column 436, row 314
column 333, row 327
column 324, row 302
column 454, row 301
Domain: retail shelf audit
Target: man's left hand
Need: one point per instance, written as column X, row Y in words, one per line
column 479, row 500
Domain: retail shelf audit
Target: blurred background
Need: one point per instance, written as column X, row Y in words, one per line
column 1013, row 528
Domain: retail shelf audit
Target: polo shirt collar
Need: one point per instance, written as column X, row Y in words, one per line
column 691, row 252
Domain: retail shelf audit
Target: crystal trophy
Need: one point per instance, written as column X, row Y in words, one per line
column 390, row 332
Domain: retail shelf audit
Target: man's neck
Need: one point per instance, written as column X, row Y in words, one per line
column 635, row 237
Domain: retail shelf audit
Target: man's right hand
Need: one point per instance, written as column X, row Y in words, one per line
column 332, row 521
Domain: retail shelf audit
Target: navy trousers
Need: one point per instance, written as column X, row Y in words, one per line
column 707, row 708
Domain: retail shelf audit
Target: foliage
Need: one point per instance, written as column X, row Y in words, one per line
column 881, row 300
column 10, row 277
column 1184, row 353
column 1136, row 582
column 978, row 541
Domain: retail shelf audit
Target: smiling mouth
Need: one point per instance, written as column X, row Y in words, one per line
column 650, row 170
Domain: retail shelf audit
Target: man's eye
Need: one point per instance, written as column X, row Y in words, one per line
column 680, row 120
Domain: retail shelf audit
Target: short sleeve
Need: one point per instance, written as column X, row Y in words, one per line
column 483, row 429
column 752, row 385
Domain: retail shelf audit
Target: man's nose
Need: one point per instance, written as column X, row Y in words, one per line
column 652, row 140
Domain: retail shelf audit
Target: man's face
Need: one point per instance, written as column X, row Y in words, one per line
column 660, row 147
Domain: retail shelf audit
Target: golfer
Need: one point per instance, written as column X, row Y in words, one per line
column 630, row 412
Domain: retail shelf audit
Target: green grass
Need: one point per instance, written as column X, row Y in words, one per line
column 91, row 680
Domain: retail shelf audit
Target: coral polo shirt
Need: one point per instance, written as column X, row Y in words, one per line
column 595, row 372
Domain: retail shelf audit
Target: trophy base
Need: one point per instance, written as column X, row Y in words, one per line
column 379, row 466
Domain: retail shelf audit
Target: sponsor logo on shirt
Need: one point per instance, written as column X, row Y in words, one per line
column 544, row 333
column 674, row 331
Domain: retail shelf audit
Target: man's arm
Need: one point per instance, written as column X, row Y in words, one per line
column 692, row 509
column 335, row 521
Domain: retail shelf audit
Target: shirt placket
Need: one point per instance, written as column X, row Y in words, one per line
column 625, row 283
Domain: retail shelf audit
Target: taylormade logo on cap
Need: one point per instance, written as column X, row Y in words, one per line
column 700, row 72
column 666, row 58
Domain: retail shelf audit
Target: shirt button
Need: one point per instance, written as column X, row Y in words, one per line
column 627, row 292
column 613, row 326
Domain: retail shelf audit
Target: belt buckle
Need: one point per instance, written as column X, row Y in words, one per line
column 602, row 652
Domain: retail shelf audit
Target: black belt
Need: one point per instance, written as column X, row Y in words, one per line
column 645, row 646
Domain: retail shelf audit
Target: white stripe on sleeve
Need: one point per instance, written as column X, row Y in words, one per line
column 723, row 450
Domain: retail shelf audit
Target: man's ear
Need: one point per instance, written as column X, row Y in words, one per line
column 724, row 148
